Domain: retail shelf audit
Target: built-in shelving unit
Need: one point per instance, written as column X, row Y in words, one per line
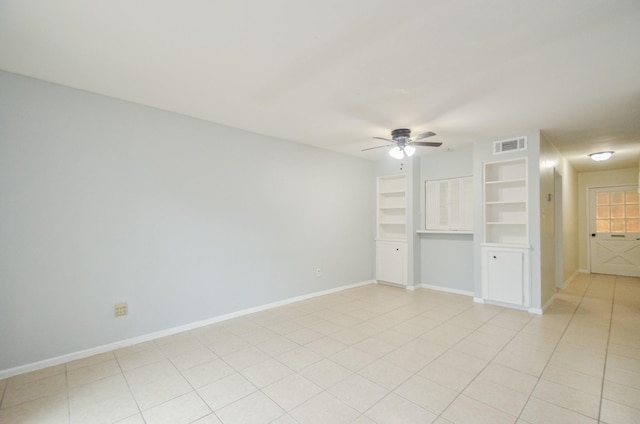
column 505, row 251
column 392, row 208
column 505, row 202
column 391, row 243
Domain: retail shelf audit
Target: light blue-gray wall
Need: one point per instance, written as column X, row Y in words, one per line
column 104, row 201
column 446, row 259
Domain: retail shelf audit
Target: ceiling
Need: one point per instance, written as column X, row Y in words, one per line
column 333, row 74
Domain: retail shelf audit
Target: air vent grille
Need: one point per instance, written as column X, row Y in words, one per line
column 512, row 145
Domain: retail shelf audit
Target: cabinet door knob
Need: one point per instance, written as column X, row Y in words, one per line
column 495, row 257
column 397, row 250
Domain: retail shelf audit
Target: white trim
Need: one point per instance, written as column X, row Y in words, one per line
column 583, row 271
column 446, row 289
column 536, row 311
column 478, row 300
column 34, row 366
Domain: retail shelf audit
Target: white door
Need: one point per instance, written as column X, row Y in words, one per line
column 391, row 262
column 504, row 276
column 614, row 229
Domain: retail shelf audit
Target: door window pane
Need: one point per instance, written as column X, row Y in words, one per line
column 631, row 197
column 617, row 225
column 602, row 198
column 602, row 226
column 632, row 211
column 617, row 197
column 633, row 226
column 602, row 212
column 617, row 212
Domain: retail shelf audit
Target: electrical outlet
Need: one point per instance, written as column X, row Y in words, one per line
column 121, row 309
column 318, row 272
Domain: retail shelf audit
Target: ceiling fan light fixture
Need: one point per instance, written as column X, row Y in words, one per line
column 396, row 152
column 600, row 156
column 409, row 150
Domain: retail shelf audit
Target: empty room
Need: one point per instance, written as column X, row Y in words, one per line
column 303, row 212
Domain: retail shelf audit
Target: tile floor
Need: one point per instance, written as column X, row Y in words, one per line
column 373, row 354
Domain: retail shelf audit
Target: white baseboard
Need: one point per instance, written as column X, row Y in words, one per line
column 478, row 300
column 584, row 271
column 34, row 366
column 446, row 289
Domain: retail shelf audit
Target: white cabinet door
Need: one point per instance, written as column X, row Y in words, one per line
column 505, row 275
column 391, row 262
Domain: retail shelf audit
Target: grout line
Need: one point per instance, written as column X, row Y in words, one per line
column 483, row 368
column 606, row 353
column 554, row 350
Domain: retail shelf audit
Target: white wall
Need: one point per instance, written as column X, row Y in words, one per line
column 550, row 160
column 446, row 259
column 569, row 221
column 104, row 201
column 586, row 180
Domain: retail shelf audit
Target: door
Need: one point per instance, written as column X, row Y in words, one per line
column 391, row 262
column 504, row 275
column 614, row 227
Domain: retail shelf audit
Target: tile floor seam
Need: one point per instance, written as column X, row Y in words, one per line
column 575, row 310
column 480, row 372
column 606, row 352
column 4, row 390
column 436, row 358
column 66, row 371
column 128, row 386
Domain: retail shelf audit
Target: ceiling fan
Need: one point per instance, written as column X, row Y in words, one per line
column 404, row 143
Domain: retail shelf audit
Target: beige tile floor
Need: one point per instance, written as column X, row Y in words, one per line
column 373, row 354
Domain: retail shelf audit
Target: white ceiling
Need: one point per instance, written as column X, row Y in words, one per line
column 335, row 73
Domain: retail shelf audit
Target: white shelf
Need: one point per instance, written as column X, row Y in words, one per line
column 392, row 208
column 516, row 181
column 505, row 202
column 443, row 232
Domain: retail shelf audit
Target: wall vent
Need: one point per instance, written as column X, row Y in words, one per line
column 512, row 145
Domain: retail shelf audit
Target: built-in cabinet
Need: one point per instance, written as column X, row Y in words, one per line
column 505, row 275
column 391, row 241
column 449, row 205
column 505, row 251
column 391, row 262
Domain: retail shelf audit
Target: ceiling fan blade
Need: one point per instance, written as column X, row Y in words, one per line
column 426, row 143
column 371, row 148
column 384, row 139
column 422, row 136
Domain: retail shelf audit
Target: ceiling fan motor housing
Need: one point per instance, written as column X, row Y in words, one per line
column 401, row 133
